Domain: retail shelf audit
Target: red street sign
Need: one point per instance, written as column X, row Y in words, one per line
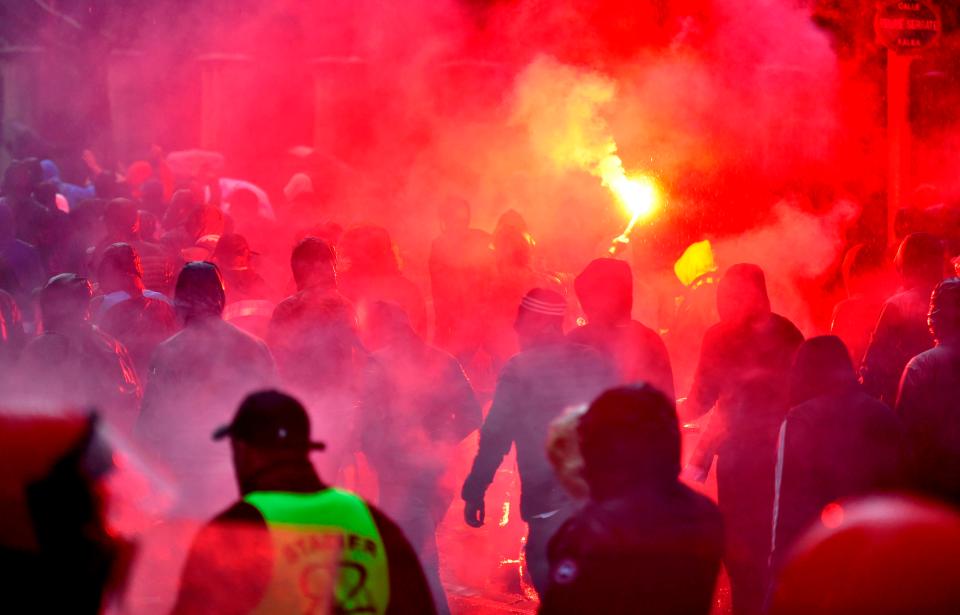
column 907, row 26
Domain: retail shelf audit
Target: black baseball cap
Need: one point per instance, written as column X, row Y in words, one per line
column 271, row 419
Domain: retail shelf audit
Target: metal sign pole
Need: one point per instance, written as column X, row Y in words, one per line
column 898, row 137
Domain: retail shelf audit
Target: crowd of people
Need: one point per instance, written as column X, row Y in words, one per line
column 182, row 309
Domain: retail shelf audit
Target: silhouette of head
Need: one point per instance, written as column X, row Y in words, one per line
column 540, row 318
column 313, row 262
column 120, row 269
column 944, row 316
column 270, row 428
column 605, row 291
column 629, row 437
column 822, row 366
column 199, row 292
column 920, row 260
column 65, row 301
column 742, row 294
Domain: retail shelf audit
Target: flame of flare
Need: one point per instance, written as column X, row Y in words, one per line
column 561, row 106
column 639, row 195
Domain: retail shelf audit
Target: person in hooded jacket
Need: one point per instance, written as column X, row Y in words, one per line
column 901, row 332
column 836, row 442
column 928, row 405
column 645, row 542
column 196, row 378
column 605, row 291
column 743, row 369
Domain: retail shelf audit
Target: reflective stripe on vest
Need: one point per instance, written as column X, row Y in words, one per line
column 311, row 532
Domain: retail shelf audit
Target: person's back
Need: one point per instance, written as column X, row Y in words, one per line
column 901, row 334
column 73, row 363
column 540, row 383
column 927, row 402
column 644, row 542
column 855, row 317
column 313, row 333
column 533, row 389
column 197, row 377
column 743, row 367
column 836, row 442
column 197, row 373
column 901, row 331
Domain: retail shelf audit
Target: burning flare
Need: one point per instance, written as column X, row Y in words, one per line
column 640, row 196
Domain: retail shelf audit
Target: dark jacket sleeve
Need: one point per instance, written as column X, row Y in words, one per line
column 880, row 370
column 217, row 579
column 409, row 591
column 797, row 494
column 467, row 415
column 496, row 436
column 661, row 372
column 707, row 380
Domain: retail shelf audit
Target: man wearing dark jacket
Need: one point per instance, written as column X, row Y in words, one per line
column 836, row 442
column 276, row 549
column 534, row 387
column 644, row 543
column 743, row 367
column 928, row 403
column 605, row 291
